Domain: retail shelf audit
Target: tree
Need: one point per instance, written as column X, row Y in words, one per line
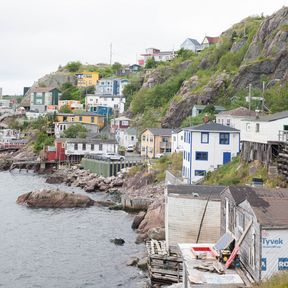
column 75, row 131
column 65, row 109
column 116, row 66
column 150, row 63
column 73, row 66
column 42, row 140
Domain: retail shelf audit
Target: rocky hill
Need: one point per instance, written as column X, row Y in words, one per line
column 251, row 52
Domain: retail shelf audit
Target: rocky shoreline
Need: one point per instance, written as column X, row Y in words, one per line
column 137, row 193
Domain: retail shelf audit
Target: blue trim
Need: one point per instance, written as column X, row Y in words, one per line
column 203, row 172
column 201, row 157
column 205, row 133
column 190, row 160
column 224, row 138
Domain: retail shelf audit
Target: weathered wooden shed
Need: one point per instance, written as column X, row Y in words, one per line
column 192, row 214
column 264, row 249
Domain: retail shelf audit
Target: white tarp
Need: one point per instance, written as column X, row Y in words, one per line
column 274, row 252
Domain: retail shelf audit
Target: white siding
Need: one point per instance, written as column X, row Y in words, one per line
column 184, row 216
column 70, row 149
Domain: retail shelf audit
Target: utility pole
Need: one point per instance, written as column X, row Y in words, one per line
column 263, row 99
column 249, row 97
column 110, row 54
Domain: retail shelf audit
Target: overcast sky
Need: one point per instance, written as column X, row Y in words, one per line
column 39, row 35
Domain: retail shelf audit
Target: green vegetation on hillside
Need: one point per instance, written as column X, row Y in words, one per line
column 76, row 131
column 279, row 280
column 241, row 173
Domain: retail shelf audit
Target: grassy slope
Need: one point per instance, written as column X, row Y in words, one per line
column 240, row 173
column 278, row 281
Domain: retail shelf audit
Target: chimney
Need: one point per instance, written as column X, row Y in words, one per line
column 206, row 118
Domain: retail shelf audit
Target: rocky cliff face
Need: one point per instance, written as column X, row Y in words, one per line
column 266, row 56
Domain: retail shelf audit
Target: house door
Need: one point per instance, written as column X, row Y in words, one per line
column 226, row 157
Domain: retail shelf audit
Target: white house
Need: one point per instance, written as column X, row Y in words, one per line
column 126, row 137
column 157, row 55
column 177, row 140
column 81, row 147
column 191, row 44
column 110, row 86
column 115, row 102
column 197, row 109
column 264, row 129
column 207, row 146
column 119, row 123
column 233, row 118
column 60, row 127
column 208, row 41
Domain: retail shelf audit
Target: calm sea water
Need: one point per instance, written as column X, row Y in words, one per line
column 65, row 248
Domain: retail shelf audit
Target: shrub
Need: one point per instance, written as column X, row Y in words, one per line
column 73, row 66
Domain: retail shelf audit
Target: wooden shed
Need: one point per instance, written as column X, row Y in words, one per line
column 192, row 214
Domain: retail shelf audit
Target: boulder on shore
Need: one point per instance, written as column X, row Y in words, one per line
column 54, row 199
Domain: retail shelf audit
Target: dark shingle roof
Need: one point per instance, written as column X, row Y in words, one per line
column 273, row 117
column 269, row 205
column 196, row 191
column 212, row 127
column 160, row 131
column 240, row 111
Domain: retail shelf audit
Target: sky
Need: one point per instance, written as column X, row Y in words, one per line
column 39, row 35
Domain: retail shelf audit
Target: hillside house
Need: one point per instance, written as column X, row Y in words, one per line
column 157, row 55
column 177, row 140
column 155, row 141
column 60, row 127
column 263, row 136
column 71, row 104
column 234, row 117
column 87, row 79
column 197, row 109
column 42, row 97
column 83, row 118
column 191, row 44
column 208, row 41
column 119, row 123
column 127, row 137
column 110, row 87
column 206, row 147
column 187, row 218
column 264, row 250
column 81, row 147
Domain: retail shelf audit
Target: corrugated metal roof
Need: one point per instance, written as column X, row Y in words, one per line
column 211, row 126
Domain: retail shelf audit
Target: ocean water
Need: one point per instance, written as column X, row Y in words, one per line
column 62, row 248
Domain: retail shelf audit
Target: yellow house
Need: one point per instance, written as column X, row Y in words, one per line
column 155, row 141
column 85, row 118
column 86, row 79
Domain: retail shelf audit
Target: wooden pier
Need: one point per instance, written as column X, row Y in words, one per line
column 164, row 267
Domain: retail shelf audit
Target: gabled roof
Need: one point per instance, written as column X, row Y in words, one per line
column 240, row 111
column 194, row 41
column 269, row 205
column 212, row 40
column 211, row 126
column 43, row 89
column 217, row 107
column 196, row 191
column 159, row 131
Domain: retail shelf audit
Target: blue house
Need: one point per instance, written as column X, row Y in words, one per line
column 206, row 147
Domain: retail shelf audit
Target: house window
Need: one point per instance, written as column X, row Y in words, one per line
column 181, row 138
column 203, row 156
column 151, row 139
column 92, row 119
column 132, row 138
column 100, row 147
column 143, row 138
column 200, row 172
column 228, row 122
column 84, row 146
column 92, row 147
column 174, row 138
column 224, row 138
column 204, row 137
column 165, row 139
column 80, row 118
column 76, row 146
column 247, row 126
column 241, row 220
column 257, row 127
